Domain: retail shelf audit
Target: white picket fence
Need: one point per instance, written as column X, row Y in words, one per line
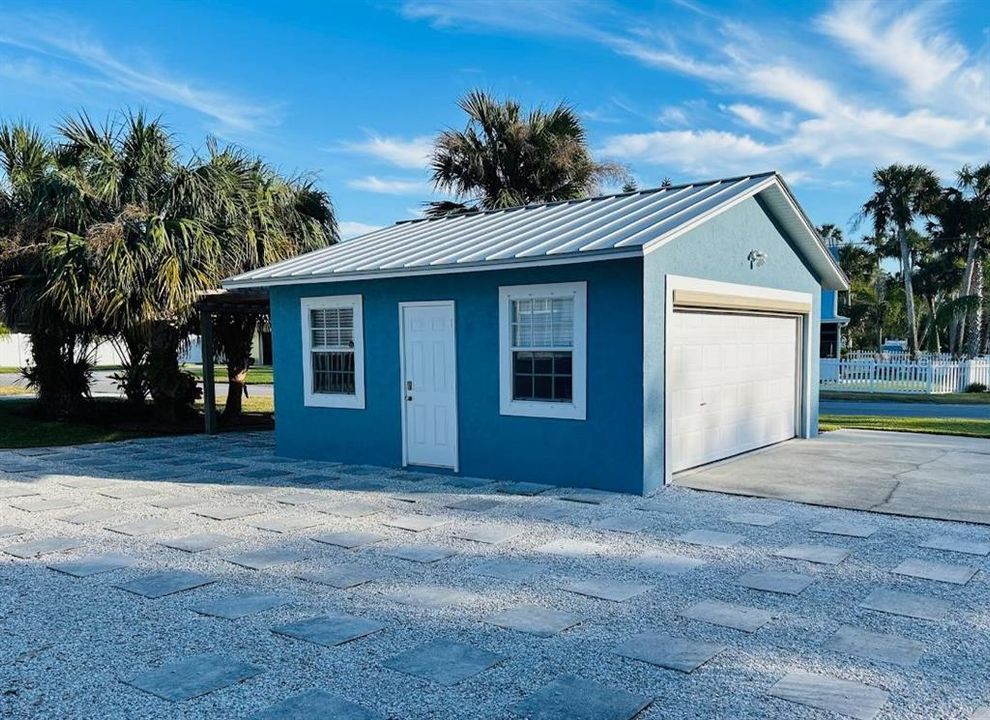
column 902, row 376
column 898, row 356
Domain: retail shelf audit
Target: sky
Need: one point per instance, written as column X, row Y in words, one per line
column 354, row 91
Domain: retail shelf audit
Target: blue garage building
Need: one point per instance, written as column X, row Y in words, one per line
column 602, row 343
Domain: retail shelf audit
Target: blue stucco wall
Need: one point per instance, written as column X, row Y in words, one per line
column 604, row 451
column 828, row 304
column 716, row 250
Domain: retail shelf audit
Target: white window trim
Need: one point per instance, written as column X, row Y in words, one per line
column 332, row 400
column 574, row 410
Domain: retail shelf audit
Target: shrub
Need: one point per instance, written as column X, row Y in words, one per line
column 976, row 388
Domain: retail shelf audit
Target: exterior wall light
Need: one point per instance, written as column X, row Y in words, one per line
column 757, row 258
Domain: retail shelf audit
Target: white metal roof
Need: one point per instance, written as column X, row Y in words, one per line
column 599, row 228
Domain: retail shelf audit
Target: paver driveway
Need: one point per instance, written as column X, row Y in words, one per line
column 262, row 587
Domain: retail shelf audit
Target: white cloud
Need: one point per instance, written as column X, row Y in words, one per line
column 760, row 118
column 697, row 151
column 351, row 228
column 907, row 45
column 390, row 186
column 66, row 50
column 806, row 92
column 412, row 154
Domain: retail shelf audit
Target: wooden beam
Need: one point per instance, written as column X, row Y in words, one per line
column 209, row 387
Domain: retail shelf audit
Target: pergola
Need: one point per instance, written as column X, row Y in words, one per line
column 211, row 304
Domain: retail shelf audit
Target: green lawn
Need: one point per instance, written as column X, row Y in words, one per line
column 946, row 399
column 258, row 375
column 249, row 404
column 18, row 430
column 933, row 426
column 10, row 369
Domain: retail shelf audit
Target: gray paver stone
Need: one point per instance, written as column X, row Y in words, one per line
column 267, row 558
column 193, row 676
column 341, row 577
column 939, row 572
column 329, row 630
column 957, row 545
column 242, row 605
column 316, row 705
column 166, row 583
column 573, row 698
column 444, row 662
column 606, row 589
column 822, row 554
column 845, row 528
column 488, row 534
column 415, row 523
column 912, row 605
column 42, row 546
column 667, row 651
column 873, row 646
column 198, row 542
column 227, row 512
column 143, row 526
column 710, row 538
column 737, row 617
column 420, row 553
column 348, row 539
column 851, row 699
column 535, row 620
column 774, row 581
column 93, row 564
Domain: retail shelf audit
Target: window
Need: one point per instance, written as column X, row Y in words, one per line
column 542, row 346
column 333, row 351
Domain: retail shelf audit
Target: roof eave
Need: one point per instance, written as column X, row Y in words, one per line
column 242, row 281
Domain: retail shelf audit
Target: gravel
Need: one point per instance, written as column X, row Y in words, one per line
column 67, row 643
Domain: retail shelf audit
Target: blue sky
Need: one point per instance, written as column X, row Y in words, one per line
column 354, row 91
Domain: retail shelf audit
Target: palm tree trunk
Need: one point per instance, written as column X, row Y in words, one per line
column 236, row 386
column 907, row 273
column 975, row 326
column 966, row 285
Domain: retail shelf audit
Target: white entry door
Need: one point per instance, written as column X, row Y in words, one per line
column 732, row 384
column 429, row 384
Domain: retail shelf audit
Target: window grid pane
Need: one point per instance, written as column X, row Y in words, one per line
column 542, row 376
column 333, row 372
column 543, row 322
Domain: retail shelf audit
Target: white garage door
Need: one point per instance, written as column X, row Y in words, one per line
column 732, row 383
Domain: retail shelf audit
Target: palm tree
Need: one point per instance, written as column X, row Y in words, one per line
column 976, row 182
column 269, row 218
column 41, row 213
column 506, row 157
column 149, row 247
column 901, row 194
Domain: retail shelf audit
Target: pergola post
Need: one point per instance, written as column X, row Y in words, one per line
column 209, row 387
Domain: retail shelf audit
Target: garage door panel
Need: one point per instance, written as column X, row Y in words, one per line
column 733, row 381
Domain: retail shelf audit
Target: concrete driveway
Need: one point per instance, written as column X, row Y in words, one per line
column 929, row 476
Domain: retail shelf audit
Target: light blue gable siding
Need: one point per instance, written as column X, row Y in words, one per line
column 716, row 250
column 605, row 451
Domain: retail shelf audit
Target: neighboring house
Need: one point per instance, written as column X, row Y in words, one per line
column 601, row 343
column 15, row 351
column 261, row 348
column 830, row 344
